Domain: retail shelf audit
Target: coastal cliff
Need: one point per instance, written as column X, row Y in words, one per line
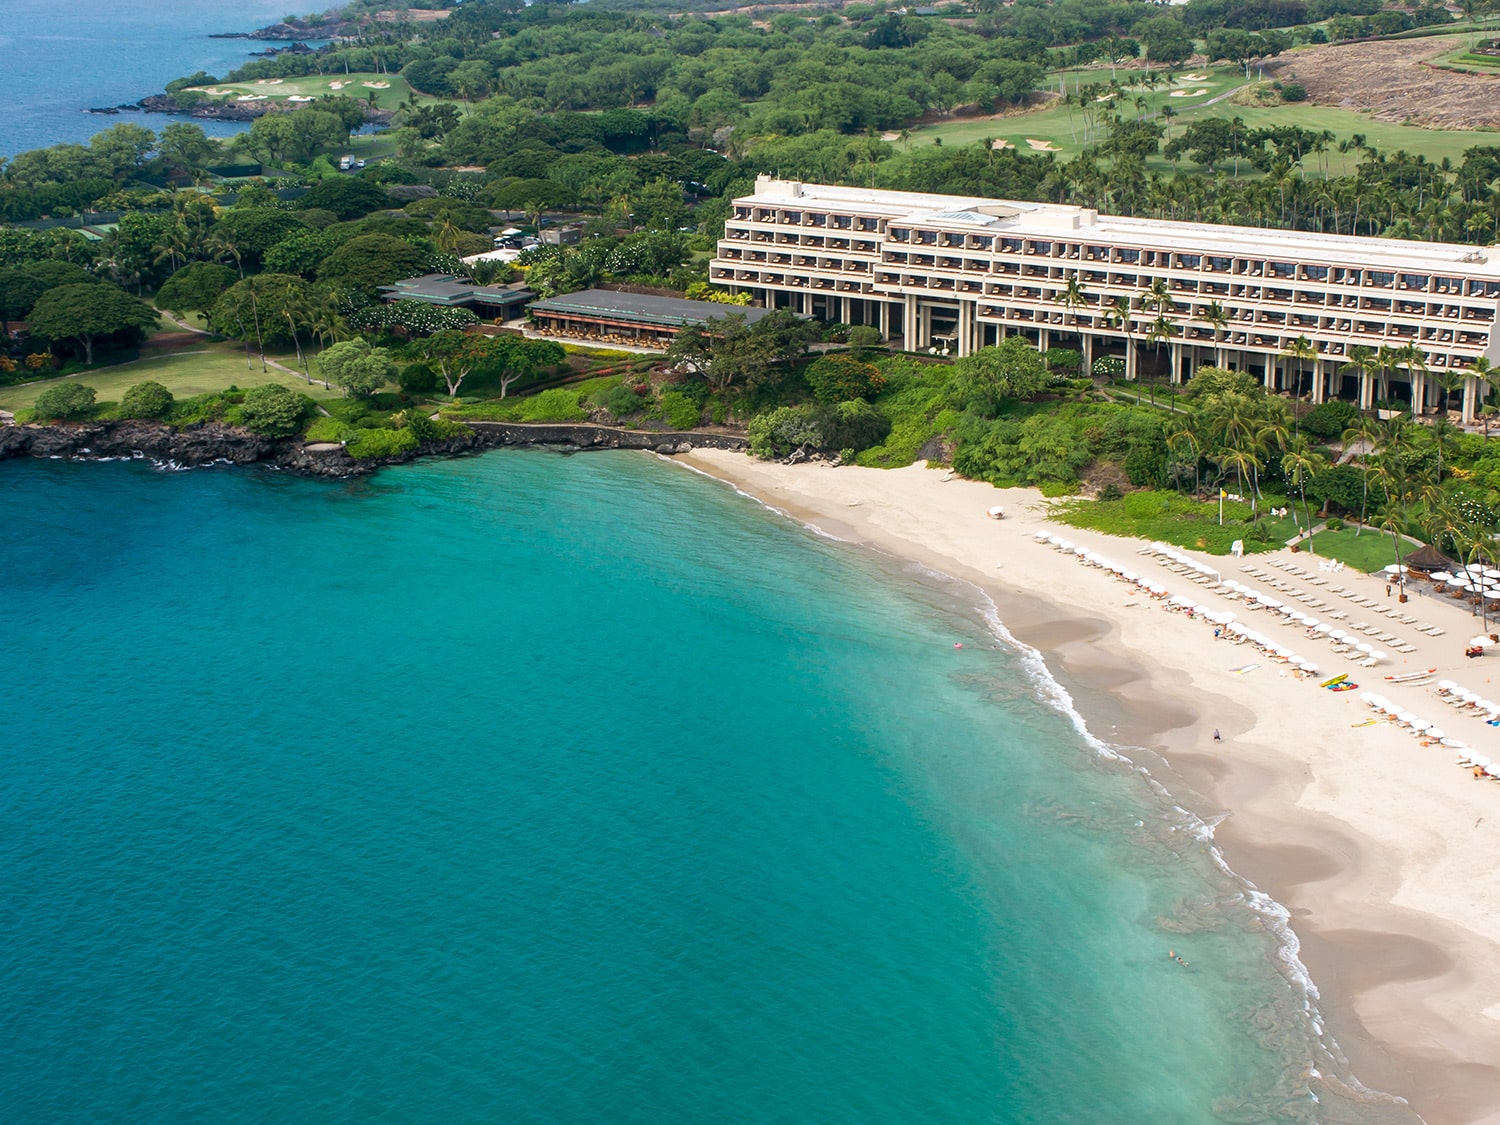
column 212, row 443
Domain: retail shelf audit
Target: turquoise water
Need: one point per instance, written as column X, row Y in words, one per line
column 538, row 788
column 61, row 58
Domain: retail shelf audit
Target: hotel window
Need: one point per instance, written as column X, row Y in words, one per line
column 1315, row 273
column 1040, row 248
column 1010, row 245
column 899, row 234
column 742, row 212
column 1098, row 253
column 1189, row 261
column 1282, row 269
column 1220, row 265
column 792, row 218
column 1381, row 278
column 1414, row 280
column 1130, row 255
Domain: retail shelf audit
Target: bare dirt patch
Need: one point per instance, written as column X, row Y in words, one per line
column 1393, row 81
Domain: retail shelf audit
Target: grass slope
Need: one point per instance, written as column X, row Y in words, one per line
column 215, row 367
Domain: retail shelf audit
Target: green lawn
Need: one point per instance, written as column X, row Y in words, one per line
column 187, row 373
column 1369, row 551
column 1063, row 126
column 389, row 90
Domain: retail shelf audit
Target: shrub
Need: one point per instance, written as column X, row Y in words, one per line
column 65, row 400
column 619, row 400
column 327, row 429
column 1063, row 362
column 381, row 443
column 146, row 400
column 679, row 411
column 1294, row 92
column 1330, row 419
column 848, row 428
column 1109, row 367
column 272, row 410
column 839, row 378
column 1110, row 492
column 417, row 378
column 1335, row 524
column 560, row 404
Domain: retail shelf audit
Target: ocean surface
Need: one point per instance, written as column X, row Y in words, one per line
column 63, row 56
column 545, row 788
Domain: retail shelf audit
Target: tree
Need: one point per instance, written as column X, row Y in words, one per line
column 64, row 400
column 272, row 410
column 453, row 355
column 372, row 260
column 19, row 292
column 1300, row 465
column 1303, row 351
column 146, row 400
column 195, row 287
column 839, row 378
column 1216, row 317
column 348, row 197
column 255, row 309
column 1072, row 296
column 87, row 313
column 1010, row 369
column 357, row 367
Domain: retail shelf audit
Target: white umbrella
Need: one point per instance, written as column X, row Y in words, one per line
column 1365, row 647
column 1131, row 576
column 1391, row 709
column 1379, row 656
column 1312, row 622
column 1322, row 628
column 1433, row 732
column 1043, row 536
column 1337, row 635
column 1309, row 666
column 1446, row 685
column 1405, row 717
column 1420, row 725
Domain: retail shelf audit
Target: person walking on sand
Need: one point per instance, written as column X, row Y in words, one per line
column 1217, row 736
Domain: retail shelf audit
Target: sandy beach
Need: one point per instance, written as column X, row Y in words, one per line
column 1384, row 850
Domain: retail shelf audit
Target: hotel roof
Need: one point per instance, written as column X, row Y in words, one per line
column 1048, row 221
column 673, row 312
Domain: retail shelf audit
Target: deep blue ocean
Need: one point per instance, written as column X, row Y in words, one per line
column 63, row 56
column 545, row 788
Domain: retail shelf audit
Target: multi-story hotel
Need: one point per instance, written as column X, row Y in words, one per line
column 949, row 273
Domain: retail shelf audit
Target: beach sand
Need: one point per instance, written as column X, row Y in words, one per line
column 1383, row 850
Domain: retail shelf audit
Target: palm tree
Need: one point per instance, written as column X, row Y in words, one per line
column 1393, row 513
column 1217, row 318
column 1451, row 380
column 1186, row 438
column 1299, row 465
column 1444, row 437
column 1117, row 314
column 1303, row 351
column 1414, row 359
column 1160, row 329
column 1367, row 432
column 1363, row 361
column 1488, row 378
column 1072, row 296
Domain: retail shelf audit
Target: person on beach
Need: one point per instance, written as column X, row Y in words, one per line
column 1217, row 736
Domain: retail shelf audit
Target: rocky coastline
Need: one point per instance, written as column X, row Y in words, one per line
column 214, row 444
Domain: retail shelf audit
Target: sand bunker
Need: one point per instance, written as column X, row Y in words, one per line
column 337, row 85
column 376, row 85
column 252, row 97
column 1041, row 146
column 268, row 81
column 298, row 98
column 890, row 136
column 1188, row 93
column 1192, row 78
column 1001, row 144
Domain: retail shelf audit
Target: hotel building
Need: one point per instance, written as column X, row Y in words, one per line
column 954, row 274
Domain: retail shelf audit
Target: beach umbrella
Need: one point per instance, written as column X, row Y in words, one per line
column 1298, row 616
column 1433, row 732
column 1379, row 656
column 1404, row 717
column 1492, row 575
column 1312, row 622
column 997, row 512
column 1446, row 685
column 1337, row 635
column 1043, row 536
column 1309, row 666
column 1390, row 708
column 1420, row 725
column 1131, row 576
column 1481, row 761
column 1365, row 647
column 1322, row 628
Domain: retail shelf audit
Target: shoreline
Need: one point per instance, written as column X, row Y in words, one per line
column 1378, row 848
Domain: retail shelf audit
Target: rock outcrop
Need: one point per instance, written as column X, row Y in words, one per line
column 214, row 444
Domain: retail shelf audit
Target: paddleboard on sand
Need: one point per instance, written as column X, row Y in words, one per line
column 1243, row 668
column 1410, row 676
column 1335, row 680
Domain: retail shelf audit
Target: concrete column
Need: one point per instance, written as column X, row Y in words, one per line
column 1366, row 392
column 1174, row 357
column 1471, row 400
column 1088, row 353
column 885, row 320
column 909, row 329
column 1132, row 367
column 1043, row 339
column 844, row 309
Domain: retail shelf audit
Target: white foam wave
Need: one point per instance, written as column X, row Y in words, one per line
column 821, row 533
